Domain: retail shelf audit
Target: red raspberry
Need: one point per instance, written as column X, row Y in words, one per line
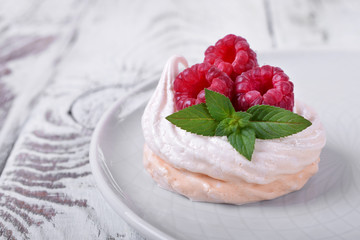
column 265, row 85
column 189, row 85
column 231, row 55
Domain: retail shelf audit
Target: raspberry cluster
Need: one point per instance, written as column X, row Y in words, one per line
column 230, row 67
column 190, row 84
column 232, row 55
column 264, row 85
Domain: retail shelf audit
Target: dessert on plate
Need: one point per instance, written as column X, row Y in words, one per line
column 228, row 130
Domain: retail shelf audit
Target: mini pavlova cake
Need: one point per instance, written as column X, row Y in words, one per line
column 227, row 130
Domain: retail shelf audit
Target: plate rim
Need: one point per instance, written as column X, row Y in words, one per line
column 108, row 191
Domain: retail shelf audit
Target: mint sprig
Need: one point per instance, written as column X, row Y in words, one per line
column 195, row 119
column 271, row 122
column 218, row 118
column 218, row 105
column 243, row 141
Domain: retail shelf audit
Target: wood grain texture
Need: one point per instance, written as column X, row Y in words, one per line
column 62, row 64
column 315, row 23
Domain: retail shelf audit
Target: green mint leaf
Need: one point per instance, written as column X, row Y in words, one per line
column 226, row 127
column 219, row 106
column 242, row 118
column 243, row 141
column 230, row 125
column 195, row 119
column 271, row 122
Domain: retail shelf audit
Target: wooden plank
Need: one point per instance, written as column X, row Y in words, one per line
column 315, row 24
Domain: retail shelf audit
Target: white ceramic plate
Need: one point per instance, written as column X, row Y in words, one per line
column 328, row 207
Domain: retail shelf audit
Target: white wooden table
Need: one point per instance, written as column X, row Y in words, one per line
column 62, row 64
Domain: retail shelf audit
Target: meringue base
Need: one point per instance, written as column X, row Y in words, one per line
column 200, row 187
